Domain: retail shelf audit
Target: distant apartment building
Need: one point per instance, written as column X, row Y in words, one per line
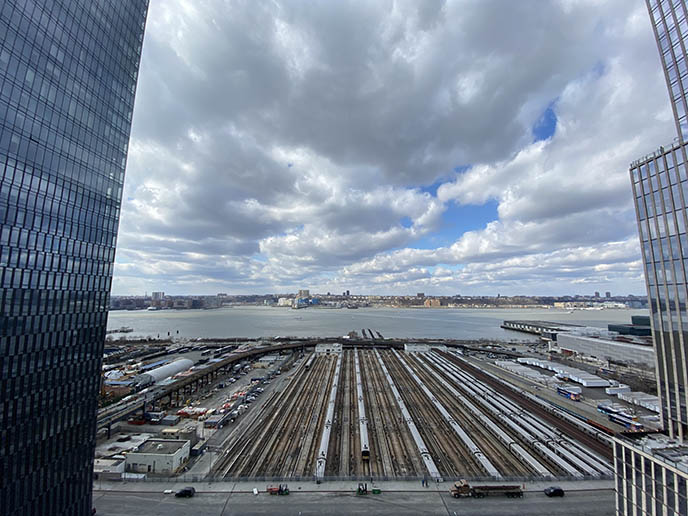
column 157, row 296
column 68, row 73
column 651, row 472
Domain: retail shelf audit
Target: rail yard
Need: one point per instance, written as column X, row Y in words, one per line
column 385, row 413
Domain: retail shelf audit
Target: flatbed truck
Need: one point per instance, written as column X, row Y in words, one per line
column 463, row 489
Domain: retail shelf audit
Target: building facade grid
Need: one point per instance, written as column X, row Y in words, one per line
column 646, row 485
column 660, row 190
column 671, row 30
column 68, row 71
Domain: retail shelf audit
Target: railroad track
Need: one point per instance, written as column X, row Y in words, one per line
column 338, row 456
column 448, row 453
column 381, row 447
column 313, row 430
column 562, row 453
column 564, row 426
column 292, row 445
column 273, row 457
column 244, row 444
column 495, row 451
column 379, row 463
column 260, row 440
column 404, row 453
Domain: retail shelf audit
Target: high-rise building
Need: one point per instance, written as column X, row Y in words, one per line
column 652, row 472
column 660, row 187
column 68, row 71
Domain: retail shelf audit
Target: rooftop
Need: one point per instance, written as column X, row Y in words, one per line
column 161, row 446
column 668, row 450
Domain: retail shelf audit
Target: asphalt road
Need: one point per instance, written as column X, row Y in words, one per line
column 575, row 503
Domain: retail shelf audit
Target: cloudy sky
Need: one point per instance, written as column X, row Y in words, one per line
column 389, row 147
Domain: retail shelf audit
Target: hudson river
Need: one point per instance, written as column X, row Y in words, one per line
column 257, row 321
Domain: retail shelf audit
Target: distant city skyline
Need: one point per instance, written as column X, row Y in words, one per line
column 591, row 295
column 445, row 159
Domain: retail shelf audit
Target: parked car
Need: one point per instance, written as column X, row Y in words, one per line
column 187, row 492
column 554, row 491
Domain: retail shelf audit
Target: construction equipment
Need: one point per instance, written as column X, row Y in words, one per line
column 281, row 490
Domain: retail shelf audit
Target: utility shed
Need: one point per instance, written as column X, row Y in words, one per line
column 160, row 456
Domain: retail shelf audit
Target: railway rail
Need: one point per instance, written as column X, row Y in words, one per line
column 567, row 428
column 371, row 414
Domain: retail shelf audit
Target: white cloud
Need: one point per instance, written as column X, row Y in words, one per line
column 298, row 152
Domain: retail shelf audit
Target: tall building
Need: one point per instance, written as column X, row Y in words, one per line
column 652, row 472
column 68, row 71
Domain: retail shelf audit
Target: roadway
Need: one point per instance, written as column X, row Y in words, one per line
column 434, row 500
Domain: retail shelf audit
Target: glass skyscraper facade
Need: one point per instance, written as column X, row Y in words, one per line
column 660, row 187
column 652, row 472
column 661, row 190
column 68, row 71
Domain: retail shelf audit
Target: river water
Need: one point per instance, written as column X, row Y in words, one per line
column 259, row 321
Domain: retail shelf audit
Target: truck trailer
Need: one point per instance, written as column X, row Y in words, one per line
column 463, row 489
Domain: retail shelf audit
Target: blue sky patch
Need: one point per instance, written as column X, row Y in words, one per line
column 456, row 220
column 406, row 222
column 546, row 125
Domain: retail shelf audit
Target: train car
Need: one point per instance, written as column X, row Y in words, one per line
column 615, row 409
column 626, row 422
column 602, row 428
column 567, row 393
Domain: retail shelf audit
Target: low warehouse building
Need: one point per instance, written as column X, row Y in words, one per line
column 108, row 469
column 160, row 456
